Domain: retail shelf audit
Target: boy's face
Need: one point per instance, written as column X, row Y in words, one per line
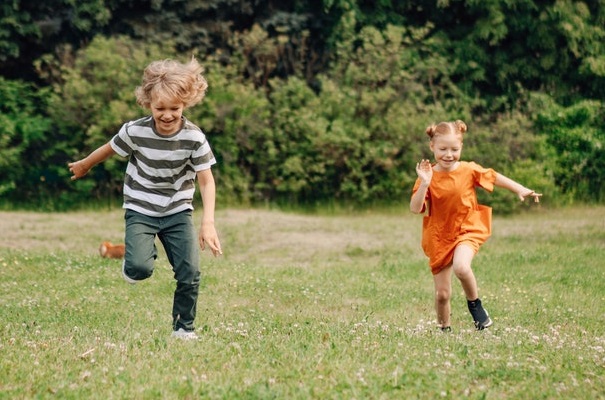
column 166, row 115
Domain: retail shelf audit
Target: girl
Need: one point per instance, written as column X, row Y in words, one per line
column 167, row 154
column 456, row 225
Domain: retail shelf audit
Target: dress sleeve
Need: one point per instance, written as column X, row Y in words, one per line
column 483, row 177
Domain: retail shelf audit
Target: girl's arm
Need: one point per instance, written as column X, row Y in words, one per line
column 208, row 235
column 517, row 188
column 417, row 202
column 81, row 167
column 425, row 173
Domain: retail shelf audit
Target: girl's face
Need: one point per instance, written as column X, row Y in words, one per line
column 166, row 115
column 447, row 150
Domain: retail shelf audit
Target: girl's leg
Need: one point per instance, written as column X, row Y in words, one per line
column 463, row 257
column 182, row 249
column 443, row 293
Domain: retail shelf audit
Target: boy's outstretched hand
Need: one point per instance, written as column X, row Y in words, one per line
column 81, row 167
column 78, row 169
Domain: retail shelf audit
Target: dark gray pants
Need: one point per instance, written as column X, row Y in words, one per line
column 178, row 236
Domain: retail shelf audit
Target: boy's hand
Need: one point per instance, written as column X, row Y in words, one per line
column 78, row 169
column 209, row 237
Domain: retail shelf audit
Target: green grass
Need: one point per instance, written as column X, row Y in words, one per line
column 304, row 306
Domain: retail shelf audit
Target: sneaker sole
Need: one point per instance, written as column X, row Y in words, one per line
column 184, row 336
column 482, row 325
column 126, row 277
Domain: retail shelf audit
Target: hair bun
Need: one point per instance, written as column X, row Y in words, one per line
column 430, row 130
column 460, row 126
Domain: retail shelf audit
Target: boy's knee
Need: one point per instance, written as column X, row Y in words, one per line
column 139, row 271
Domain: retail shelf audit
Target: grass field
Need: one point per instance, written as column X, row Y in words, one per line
column 304, row 306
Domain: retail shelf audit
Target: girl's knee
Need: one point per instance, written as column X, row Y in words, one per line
column 442, row 295
column 462, row 270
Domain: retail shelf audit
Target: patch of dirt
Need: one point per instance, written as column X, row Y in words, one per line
column 250, row 235
column 59, row 231
column 273, row 237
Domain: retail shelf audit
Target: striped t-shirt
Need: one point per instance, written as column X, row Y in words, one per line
column 161, row 172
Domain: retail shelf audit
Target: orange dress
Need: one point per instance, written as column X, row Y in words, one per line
column 454, row 215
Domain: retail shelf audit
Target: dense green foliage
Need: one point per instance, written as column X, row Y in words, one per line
column 24, row 146
column 310, row 102
column 577, row 135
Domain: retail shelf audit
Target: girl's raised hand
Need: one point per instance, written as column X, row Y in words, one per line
column 424, row 169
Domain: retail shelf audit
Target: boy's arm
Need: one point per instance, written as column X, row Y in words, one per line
column 81, row 167
column 208, row 233
column 517, row 188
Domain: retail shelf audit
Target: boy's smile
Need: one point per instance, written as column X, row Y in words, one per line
column 167, row 115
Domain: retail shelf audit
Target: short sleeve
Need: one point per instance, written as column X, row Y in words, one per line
column 483, row 177
column 202, row 157
column 121, row 143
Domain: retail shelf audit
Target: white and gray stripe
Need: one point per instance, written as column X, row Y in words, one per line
column 161, row 171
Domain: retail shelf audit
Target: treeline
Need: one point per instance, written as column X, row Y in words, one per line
column 309, row 101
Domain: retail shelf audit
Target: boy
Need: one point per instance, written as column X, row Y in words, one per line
column 167, row 153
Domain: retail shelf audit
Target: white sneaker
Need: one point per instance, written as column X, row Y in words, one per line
column 184, row 335
column 126, row 277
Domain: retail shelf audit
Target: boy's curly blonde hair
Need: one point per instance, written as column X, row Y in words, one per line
column 173, row 81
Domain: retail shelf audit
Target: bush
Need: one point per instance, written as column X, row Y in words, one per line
column 352, row 136
column 24, row 141
column 575, row 136
column 509, row 145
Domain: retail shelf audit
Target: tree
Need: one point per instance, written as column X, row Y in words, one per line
column 29, row 29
